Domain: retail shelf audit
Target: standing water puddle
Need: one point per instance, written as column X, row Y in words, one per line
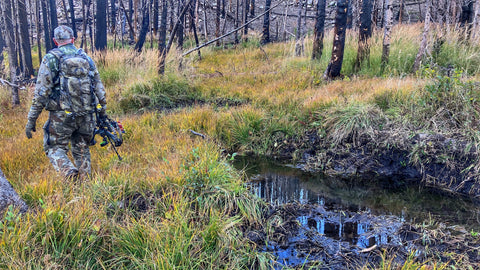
column 335, row 216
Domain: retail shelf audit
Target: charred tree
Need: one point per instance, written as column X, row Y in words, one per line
column 387, row 33
column 101, row 25
column 2, row 46
column 72, row 17
column 335, row 65
column 365, row 32
column 252, row 8
column 39, row 30
column 467, row 17
column 25, row 40
column 426, row 31
column 162, row 38
column 46, row 26
column 266, row 23
column 218, row 13
column 319, row 30
column 245, row 18
column 52, row 6
column 155, row 17
column 144, row 30
column 9, row 34
column 181, row 24
column 113, row 15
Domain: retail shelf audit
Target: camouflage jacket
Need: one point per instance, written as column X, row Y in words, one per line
column 48, row 82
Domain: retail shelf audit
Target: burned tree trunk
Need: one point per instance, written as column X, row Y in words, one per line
column 25, row 40
column 266, row 23
column 426, row 31
column 319, row 30
column 180, row 24
column 72, row 17
column 9, row 32
column 365, row 32
column 8, row 196
column 46, row 26
column 101, row 25
column 162, row 38
column 53, row 16
column 387, row 33
column 144, row 30
column 335, row 65
column 218, row 13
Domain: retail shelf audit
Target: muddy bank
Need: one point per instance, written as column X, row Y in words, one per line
column 306, row 235
column 447, row 163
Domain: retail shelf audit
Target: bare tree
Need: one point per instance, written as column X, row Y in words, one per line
column 46, row 25
column 319, row 30
column 299, row 37
column 72, row 17
column 101, row 25
column 335, row 65
column 426, row 31
column 266, row 23
column 365, row 32
column 9, row 34
column 476, row 22
column 162, row 38
column 24, row 39
column 52, row 6
column 387, row 33
column 145, row 23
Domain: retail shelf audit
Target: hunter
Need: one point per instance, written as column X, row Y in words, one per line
column 69, row 87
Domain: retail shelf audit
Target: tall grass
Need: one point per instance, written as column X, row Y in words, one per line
column 175, row 201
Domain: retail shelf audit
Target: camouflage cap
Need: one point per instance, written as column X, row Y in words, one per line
column 63, row 33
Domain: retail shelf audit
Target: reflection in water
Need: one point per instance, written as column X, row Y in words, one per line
column 343, row 204
column 281, row 184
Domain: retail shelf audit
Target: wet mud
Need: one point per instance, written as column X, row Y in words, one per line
column 449, row 164
column 332, row 223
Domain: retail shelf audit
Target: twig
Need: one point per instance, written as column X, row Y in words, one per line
column 198, row 134
column 368, row 249
column 2, row 81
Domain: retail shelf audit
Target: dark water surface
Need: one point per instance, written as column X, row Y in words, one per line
column 351, row 213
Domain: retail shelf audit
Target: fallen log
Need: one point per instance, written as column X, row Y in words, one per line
column 8, row 196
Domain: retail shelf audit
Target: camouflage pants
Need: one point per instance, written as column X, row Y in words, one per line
column 59, row 131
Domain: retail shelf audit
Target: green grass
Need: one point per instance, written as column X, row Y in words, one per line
column 175, row 202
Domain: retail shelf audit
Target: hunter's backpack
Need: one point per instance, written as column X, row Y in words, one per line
column 74, row 92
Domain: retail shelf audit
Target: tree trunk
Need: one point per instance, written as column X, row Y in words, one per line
column 46, row 26
column 319, row 30
column 218, row 12
column 401, row 10
column 476, row 22
column 39, row 30
column 299, row 37
column 101, row 25
column 25, row 40
column 113, row 16
column 8, row 196
column 426, row 31
column 245, row 19
column 252, row 8
column 12, row 53
column 53, row 17
column 365, row 32
column 144, row 30
column 266, row 23
column 2, row 46
column 155, row 17
column 387, row 33
column 72, row 17
column 181, row 24
column 162, row 38
column 335, row 65
column 194, row 27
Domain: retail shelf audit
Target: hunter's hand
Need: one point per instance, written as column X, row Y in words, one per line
column 30, row 128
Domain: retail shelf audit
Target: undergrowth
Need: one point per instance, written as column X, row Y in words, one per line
column 175, row 202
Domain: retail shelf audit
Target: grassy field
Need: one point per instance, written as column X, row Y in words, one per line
column 175, row 202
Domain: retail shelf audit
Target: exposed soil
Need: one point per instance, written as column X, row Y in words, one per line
column 435, row 160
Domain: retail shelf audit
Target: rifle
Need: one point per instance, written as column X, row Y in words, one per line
column 111, row 132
